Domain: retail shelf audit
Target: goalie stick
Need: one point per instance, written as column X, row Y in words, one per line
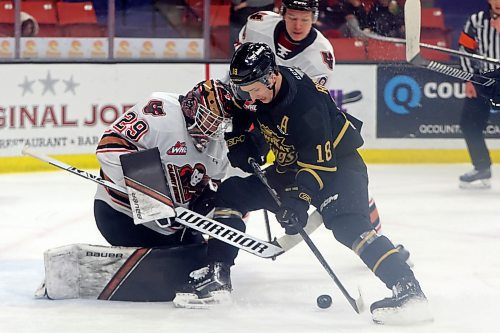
column 357, row 304
column 199, row 222
column 413, row 56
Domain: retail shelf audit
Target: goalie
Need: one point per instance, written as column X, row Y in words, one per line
column 186, row 133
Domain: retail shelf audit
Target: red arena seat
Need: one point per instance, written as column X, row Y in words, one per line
column 6, row 19
column 385, row 51
column 45, row 14
column 78, row 19
column 348, row 49
column 435, row 55
column 219, row 15
column 432, row 18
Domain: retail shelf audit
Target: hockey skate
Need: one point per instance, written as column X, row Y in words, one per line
column 207, row 286
column 476, row 179
column 408, row 305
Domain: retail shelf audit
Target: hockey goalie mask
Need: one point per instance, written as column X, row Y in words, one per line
column 207, row 109
column 252, row 62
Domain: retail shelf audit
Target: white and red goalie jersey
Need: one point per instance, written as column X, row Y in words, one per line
column 159, row 122
column 313, row 55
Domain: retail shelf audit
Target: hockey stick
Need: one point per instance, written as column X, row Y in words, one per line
column 268, row 228
column 185, row 216
column 357, row 304
column 413, row 56
column 352, row 96
column 435, row 48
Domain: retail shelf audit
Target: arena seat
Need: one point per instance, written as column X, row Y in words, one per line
column 45, row 14
column 432, row 18
column 348, row 49
column 385, row 51
column 219, row 43
column 219, row 15
column 6, row 19
column 78, row 19
column 435, row 55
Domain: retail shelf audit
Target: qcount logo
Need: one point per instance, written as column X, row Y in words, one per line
column 402, row 94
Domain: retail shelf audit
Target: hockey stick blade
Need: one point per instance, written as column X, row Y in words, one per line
column 352, row 96
column 184, row 216
column 413, row 56
column 412, row 28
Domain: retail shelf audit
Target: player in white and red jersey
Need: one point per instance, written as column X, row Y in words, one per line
column 188, row 132
column 296, row 43
column 293, row 38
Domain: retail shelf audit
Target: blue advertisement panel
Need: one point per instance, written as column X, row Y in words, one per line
column 418, row 103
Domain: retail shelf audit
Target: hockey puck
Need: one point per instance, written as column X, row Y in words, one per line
column 324, row 301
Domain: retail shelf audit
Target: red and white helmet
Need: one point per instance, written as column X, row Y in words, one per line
column 208, row 107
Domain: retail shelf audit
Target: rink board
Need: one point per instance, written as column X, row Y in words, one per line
column 62, row 109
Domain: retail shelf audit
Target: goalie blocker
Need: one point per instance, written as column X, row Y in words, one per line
column 118, row 273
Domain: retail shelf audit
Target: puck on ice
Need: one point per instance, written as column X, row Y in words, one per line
column 324, row 301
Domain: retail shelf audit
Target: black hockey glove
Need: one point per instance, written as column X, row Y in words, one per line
column 292, row 213
column 204, row 203
column 242, row 147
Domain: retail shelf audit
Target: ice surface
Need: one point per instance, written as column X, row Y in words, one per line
column 453, row 236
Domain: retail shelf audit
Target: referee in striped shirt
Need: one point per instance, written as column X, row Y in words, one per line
column 481, row 35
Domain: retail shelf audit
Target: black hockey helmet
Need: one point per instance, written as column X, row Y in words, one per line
column 252, row 62
column 304, row 5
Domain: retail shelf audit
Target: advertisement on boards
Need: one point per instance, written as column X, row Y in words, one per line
column 417, row 103
column 64, row 108
column 97, row 48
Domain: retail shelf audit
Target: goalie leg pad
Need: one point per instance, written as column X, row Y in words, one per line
column 119, row 273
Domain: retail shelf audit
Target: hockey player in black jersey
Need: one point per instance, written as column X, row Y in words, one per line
column 315, row 146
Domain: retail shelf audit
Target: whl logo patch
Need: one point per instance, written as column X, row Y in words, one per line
column 179, row 148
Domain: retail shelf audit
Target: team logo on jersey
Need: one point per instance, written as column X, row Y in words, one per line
column 285, row 154
column 154, row 108
column 187, row 181
column 327, row 59
column 180, row 148
column 282, row 51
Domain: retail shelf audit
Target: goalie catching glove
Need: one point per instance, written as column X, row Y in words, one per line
column 292, row 214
